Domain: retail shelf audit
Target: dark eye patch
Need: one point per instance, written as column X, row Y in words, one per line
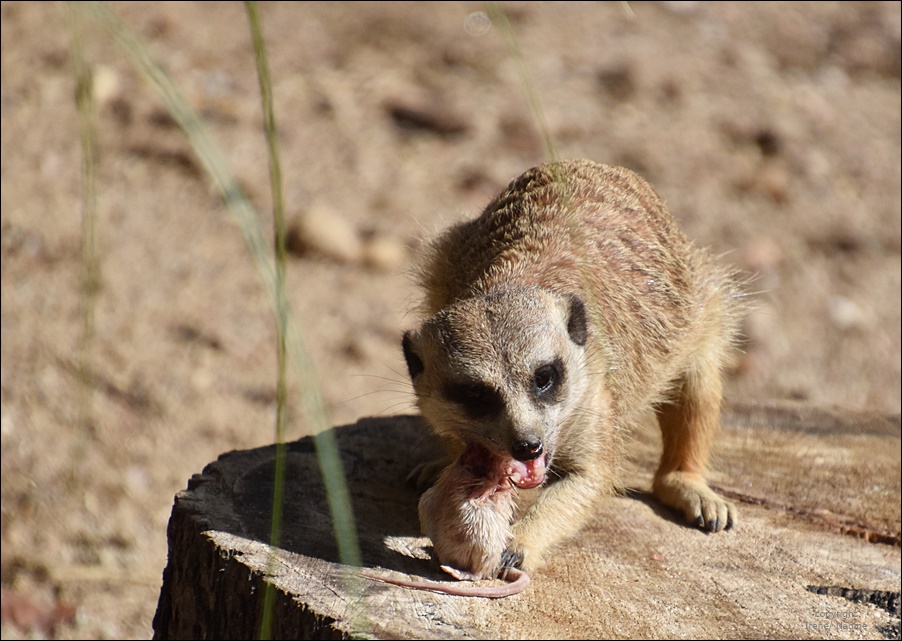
column 477, row 399
column 547, row 381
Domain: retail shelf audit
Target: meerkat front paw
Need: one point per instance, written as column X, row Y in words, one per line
column 690, row 494
column 511, row 558
column 523, row 554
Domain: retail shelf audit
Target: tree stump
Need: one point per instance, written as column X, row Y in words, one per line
column 816, row 553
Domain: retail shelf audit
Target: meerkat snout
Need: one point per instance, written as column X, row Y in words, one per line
column 527, row 450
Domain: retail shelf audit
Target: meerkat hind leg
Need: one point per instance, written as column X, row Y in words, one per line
column 688, row 424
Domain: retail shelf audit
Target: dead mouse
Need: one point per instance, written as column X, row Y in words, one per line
column 467, row 514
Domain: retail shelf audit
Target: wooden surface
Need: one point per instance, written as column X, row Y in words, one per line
column 819, row 498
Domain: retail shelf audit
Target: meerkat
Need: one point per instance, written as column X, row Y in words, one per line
column 467, row 514
column 571, row 306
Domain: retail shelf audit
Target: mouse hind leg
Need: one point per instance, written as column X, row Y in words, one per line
column 688, row 424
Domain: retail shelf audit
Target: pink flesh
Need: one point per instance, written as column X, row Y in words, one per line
column 517, row 581
column 484, row 464
column 526, row 474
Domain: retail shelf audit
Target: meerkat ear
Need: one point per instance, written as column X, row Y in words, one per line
column 414, row 363
column 576, row 324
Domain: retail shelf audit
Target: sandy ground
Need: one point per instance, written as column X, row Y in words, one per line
column 772, row 131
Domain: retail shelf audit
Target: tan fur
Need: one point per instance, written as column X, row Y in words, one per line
column 468, row 518
column 468, row 515
column 576, row 269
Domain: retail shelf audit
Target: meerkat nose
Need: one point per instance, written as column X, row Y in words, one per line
column 527, row 450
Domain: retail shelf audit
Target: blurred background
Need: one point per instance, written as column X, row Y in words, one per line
column 772, row 130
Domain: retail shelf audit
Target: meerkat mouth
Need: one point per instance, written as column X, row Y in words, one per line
column 527, row 474
column 487, row 465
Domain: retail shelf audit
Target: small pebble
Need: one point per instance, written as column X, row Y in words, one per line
column 323, row 231
column 107, row 86
column 846, row 313
column 761, row 254
column 384, row 253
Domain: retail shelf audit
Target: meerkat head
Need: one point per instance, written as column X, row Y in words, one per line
column 502, row 370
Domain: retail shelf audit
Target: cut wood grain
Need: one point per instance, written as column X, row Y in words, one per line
column 800, row 475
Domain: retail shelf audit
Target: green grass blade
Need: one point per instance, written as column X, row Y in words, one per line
column 275, row 178
column 244, row 216
column 90, row 264
column 499, row 19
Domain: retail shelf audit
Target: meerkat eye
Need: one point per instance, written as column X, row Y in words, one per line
column 477, row 399
column 543, row 379
column 546, row 380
